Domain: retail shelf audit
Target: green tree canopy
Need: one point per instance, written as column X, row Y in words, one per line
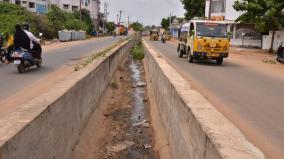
column 265, row 14
column 137, row 26
column 110, row 26
column 194, row 8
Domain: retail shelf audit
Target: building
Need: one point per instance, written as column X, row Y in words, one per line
column 174, row 28
column 221, row 10
column 74, row 5
column 37, row 6
column 241, row 34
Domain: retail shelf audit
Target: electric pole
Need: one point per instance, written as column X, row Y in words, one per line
column 120, row 12
column 170, row 19
column 105, row 14
column 128, row 22
column 80, row 10
column 210, row 9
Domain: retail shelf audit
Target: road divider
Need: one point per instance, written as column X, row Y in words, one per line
column 194, row 128
column 87, row 60
column 49, row 126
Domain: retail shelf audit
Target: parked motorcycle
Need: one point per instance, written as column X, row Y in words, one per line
column 280, row 52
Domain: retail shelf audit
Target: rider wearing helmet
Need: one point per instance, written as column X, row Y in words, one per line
column 35, row 47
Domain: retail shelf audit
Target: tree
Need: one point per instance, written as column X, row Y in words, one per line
column 265, row 14
column 194, row 8
column 165, row 23
column 110, row 26
column 137, row 26
column 86, row 18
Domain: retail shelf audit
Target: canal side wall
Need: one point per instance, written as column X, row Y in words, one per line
column 194, row 128
column 48, row 127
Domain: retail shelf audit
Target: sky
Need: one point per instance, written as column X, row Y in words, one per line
column 147, row 12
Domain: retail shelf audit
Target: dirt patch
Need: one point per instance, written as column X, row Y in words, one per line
column 120, row 127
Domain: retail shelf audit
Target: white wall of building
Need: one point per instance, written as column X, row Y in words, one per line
column 231, row 13
column 279, row 36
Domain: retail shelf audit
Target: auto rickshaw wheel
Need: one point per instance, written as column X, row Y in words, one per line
column 219, row 61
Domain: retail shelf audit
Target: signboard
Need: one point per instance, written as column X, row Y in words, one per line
column 218, row 18
column 40, row 8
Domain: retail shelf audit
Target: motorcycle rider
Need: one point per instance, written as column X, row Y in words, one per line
column 35, row 47
column 20, row 40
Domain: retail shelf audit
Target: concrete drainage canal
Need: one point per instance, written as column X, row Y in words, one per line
column 120, row 128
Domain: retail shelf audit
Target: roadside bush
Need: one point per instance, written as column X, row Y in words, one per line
column 75, row 24
column 10, row 15
column 49, row 24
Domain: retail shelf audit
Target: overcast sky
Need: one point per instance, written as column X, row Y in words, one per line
column 149, row 12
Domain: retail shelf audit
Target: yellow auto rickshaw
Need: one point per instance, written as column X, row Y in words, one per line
column 154, row 35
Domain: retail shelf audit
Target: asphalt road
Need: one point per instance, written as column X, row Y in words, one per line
column 252, row 100
column 11, row 81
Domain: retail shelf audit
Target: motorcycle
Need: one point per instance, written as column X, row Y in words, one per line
column 2, row 55
column 280, row 52
column 24, row 60
column 163, row 38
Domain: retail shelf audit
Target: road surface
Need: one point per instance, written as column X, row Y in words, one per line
column 55, row 57
column 251, row 97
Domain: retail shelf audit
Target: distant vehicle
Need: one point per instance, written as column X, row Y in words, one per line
column 280, row 52
column 145, row 33
column 154, row 35
column 205, row 40
column 168, row 36
column 163, row 38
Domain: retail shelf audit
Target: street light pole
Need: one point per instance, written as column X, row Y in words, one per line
column 80, row 10
column 210, row 9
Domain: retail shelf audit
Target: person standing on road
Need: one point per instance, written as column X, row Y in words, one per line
column 35, row 47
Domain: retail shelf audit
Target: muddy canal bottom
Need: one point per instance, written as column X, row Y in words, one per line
column 120, row 127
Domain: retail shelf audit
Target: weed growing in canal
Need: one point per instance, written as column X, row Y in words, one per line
column 113, row 83
column 138, row 52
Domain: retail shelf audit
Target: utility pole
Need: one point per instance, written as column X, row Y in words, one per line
column 128, row 22
column 120, row 12
column 210, row 9
column 105, row 14
column 170, row 22
column 80, row 10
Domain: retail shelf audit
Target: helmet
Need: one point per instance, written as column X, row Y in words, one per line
column 25, row 26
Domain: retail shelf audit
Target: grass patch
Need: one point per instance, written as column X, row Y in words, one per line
column 138, row 52
column 269, row 61
column 91, row 58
